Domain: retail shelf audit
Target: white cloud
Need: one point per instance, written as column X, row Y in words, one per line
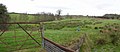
column 79, row 7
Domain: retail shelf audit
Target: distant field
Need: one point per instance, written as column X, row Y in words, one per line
column 21, row 18
column 31, row 18
column 65, row 33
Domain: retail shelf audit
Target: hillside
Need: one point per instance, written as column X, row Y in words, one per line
column 103, row 34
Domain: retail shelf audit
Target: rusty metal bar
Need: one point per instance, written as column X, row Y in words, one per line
column 21, row 23
column 28, row 34
column 6, row 44
column 30, row 23
column 25, row 40
column 2, row 32
column 61, row 47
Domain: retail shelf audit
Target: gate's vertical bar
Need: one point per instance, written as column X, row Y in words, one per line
column 42, row 34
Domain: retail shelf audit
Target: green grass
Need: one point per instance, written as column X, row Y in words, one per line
column 18, row 18
column 65, row 35
column 62, row 37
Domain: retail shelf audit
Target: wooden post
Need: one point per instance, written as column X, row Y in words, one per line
column 42, row 34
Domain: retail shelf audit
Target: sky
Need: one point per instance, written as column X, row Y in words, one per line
column 73, row 7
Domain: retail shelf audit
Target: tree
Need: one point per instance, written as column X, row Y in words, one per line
column 58, row 14
column 112, row 16
column 4, row 17
column 44, row 17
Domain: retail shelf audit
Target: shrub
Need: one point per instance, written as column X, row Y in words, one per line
column 4, row 17
column 96, row 28
column 101, row 41
column 100, row 27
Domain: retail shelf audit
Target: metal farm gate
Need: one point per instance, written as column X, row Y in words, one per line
column 22, row 36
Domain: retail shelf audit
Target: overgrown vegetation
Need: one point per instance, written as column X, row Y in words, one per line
column 103, row 33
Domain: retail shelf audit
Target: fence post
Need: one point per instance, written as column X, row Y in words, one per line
column 42, row 34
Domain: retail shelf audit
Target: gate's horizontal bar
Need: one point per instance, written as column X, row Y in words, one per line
column 22, row 23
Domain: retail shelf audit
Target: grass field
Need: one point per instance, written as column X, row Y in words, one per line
column 63, row 32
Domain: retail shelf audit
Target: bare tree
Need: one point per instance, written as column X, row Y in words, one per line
column 58, row 14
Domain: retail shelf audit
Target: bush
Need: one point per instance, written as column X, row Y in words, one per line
column 96, row 28
column 115, row 38
column 88, row 26
column 101, row 41
column 100, row 27
column 4, row 17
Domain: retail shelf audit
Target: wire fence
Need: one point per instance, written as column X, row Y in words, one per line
column 51, row 46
